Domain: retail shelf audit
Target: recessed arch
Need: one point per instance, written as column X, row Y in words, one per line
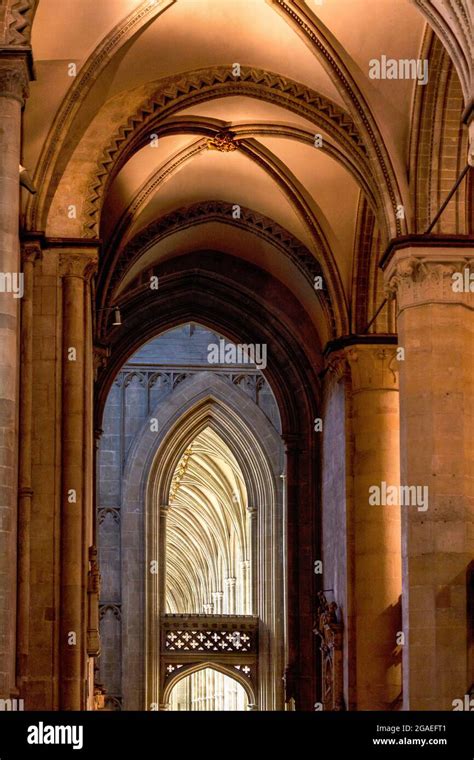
column 233, row 312
column 201, row 86
column 178, row 92
column 437, row 131
column 110, row 283
column 220, row 668
column 208, row 128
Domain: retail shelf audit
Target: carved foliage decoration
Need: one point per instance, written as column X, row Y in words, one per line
column 416, row 279
column 14, row 79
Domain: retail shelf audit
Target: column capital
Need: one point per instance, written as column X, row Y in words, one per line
column 421, row 271
column 78, row 263
column 14, row 77
column 373, row 367
column 30, row 252
column 336, row 365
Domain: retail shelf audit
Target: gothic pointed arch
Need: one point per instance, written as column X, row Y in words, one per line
column 231, row 672
column 202, row 402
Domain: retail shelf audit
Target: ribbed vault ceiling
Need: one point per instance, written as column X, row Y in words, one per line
column 145, row 69
column 207, row 525
column 164, row 67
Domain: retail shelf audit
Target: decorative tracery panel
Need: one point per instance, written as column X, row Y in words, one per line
column 227, row 642
column 208, row 641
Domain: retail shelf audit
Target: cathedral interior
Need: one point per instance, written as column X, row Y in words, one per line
column 236, row 355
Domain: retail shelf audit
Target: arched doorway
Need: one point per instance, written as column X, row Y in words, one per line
column 201, row 523
column 292, row 369
column 208, row 689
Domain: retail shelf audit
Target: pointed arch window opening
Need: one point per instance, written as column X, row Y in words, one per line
column 208, row 690
column 207, row 541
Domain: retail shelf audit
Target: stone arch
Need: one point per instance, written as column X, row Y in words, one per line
column 436, row 128
column 206, row 129
column 218, row 301
column 220, row 668
column 100, row 58
column 202, row 213
column 311, row 216
column 203, row 401
column 172, row 95
column 452, row 22
column 179, row 92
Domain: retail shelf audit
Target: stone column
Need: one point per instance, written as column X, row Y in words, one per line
column 229, row 596
column 246, row 587
column 376, row 527
column 252, row 513
column 13, row 92
column 430, row 277
column 164, row 511
column 76, row 266
column 30, row 253
column 217, row 597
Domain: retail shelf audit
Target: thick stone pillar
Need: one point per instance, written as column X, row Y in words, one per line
column 376, row 526
column 30, row 253
column 76, row 267
column 13, row 91
column 436, row 331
